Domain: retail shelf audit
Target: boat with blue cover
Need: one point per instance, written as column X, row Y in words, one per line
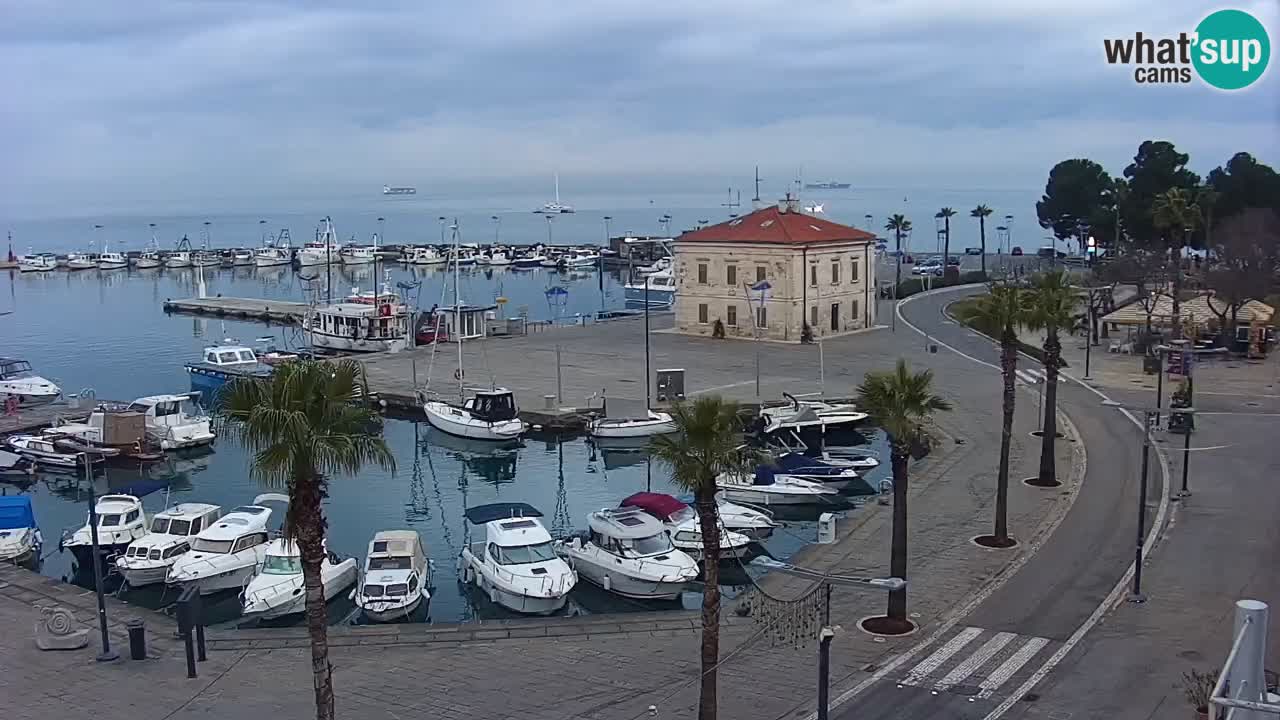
column 20, row 539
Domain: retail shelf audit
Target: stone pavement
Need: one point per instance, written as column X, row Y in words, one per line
column 616, row 668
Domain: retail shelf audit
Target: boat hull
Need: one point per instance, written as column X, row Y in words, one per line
column 347, row 344
column 281, row 602
column 625, row 585
column 656, row 297
column 639, row 428
column 230, row 579
column 385, row 614
column 143, row 576
column 750, row 494
column 452, row 420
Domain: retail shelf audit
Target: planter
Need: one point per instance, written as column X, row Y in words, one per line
column 1202, row 714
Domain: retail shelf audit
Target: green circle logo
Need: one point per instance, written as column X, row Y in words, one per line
column 1231, row 49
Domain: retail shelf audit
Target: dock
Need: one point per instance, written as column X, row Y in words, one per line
column 283, row 312
column 29, row 420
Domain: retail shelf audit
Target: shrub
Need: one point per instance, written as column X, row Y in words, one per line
column 717, row 330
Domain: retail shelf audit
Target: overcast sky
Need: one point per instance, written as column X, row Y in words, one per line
column 158, row 104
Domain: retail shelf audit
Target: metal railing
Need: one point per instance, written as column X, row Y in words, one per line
column 1241, row 691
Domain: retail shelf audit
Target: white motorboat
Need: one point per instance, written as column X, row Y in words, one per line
column 499, row 258
column 426, row 256
column 18, row 380
column 81, row 261
column 396, row 578
column 516, row 565
column 769, row 489
column 581, row 259
column 120, row 522
column 683, row 524
column 661, row 289
column 366, row 322
column 801, row 414
column 803, row 467
column 278, row 588
column 14, row 465
column 174, row 421
column 226, row 555
column 751, row 521
column 660, row 265
column 531, row 260
column 20, row 538
column 655, row 423
column 629, row 552
column 37, row 262
column 324, row 249
column 178, row 259
column 148, row 559
column 241, row 257
column 148, row 259
column 111, row 260
column 46, row 454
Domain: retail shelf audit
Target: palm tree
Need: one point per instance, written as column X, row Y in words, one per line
column 1206, row 198
column 999, row 314
column 1050, row 305
column 902, row 403
column 707, row 444
column 982, row 212
column 1177, row 215
column 946, row 214
column 899, row 224
column 304, row 424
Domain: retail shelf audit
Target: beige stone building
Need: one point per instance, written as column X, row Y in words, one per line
column 775, row 270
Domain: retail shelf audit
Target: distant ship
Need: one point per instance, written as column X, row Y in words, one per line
column 388, row 190
column 832, row 185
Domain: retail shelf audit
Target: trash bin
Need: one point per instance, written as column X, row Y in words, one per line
column 137, row 638
column 1151, row 364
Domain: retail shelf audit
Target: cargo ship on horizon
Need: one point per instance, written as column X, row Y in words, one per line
column 830, row 185
column 388, row 190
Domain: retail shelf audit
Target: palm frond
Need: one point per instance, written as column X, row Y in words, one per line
column 902, row 403
column 1050, row 303
column 707, row 443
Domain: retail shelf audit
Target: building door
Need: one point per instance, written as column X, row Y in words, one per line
column 835, row 317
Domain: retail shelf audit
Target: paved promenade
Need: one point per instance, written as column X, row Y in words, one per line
column 616, row 668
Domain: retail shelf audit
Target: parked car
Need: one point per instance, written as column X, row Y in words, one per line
column 929, row 266
column 973, row 251
column 1017, row 250
column 1046, row 252
column 953, row 261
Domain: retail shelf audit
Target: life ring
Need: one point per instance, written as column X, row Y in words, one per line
column 458, row 374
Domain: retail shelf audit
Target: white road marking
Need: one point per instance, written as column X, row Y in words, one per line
column 718, row 388
column 941, row 655
column 975, row 661
column 1015, row 662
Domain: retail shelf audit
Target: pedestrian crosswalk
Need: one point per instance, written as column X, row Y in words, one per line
column 976, row 661
column 1030, row 376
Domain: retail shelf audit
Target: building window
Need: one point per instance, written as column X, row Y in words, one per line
column 762, row 318
column 835, row 317
column 813, row 316
column 731, row 316
column 853, row 311
column 853, row 272
column 702, row 313
column 813, row 276
column 731, row 275
column 702, row 273
column 760, row 271
column 835, row 272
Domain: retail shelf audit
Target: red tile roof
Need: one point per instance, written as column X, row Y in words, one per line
column 772, row 226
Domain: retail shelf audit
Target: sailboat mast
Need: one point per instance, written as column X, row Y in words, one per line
column 648, row 401
column 457, row 309
column 557, row 188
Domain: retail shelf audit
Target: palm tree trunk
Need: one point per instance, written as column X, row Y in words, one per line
column 309, row 528
column 1048, row 465
column 897, row 268
column 946, row 243
column 709, row 523
column 1177, row 291
column 898, row 550
column 1008, row 368
column 982, row 243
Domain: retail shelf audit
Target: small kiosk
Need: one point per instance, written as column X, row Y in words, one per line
column 466, row 322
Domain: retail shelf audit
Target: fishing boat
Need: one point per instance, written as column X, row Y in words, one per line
column 120, row 522
column 684, row 526
column 657, row 289
column 274, row 251
column 112, row 430
column 148, row 259
column 148, row 559
column 516, row 565
column 81, row 261
column 369, row 322
column 278, row 589
column 426, row 256
column 37, row 262
column 219, row 364
column 360, row 254
column 242, row 257
column 627, row 551
column 181, row 257
column 111, row 260
column 324, row 249
column 18, row 380
column 205, row 258
column 174, row 421
column 46, row 454
column 20, row 538
column 556, row 207
column 396, row 577
column 768, row 488
column 226, row 555
column 660, row 265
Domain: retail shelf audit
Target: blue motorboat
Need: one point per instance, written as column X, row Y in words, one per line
column 222, row 363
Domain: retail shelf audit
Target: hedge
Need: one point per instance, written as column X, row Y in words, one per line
column 910, row 287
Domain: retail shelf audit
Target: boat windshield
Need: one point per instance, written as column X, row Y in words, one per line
column 108, row 520
column 390, row 563
column 397, row 590
column 217, row 547
column 681, row 515
column 173, row 526
column 651, row 545
column 525, row 554
column 373, row 591
column 282, row 565
column 15, row 370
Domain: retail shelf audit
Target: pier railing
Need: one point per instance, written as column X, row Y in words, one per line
column 1241, row 692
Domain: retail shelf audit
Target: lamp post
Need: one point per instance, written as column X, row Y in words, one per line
column 867, row 217
column 607, row 219
column 497, row 227
column 548, row 217
column 1186, row 450
column 442, row 221
column 1136, row 596
column 107, row 654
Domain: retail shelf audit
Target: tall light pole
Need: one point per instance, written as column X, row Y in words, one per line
column 107, row 654
column 442, row 221
column 607, row 219
column 262, row 232
column 548, row 217
column 867, row 218
column 497, row 227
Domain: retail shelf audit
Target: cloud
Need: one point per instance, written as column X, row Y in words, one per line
column 159, row 104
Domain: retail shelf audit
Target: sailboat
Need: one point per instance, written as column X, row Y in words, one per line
column 486, row 415
column 553, row 208
column 653, row 423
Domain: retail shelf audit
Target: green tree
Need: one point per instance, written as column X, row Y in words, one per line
column 305, row 424
column 1157, row 167
column 982, row 212
column 900, row 225
column 1244, row 183
column 1247, row 264
column 999, row 314
column 1050, row 305
column 707, row 444
column 902, row 403
column 1077, row 192
column 1207, row 198
column 945, row 214
column 1176, row 216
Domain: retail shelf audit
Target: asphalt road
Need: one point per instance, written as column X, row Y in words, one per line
column 984, row 660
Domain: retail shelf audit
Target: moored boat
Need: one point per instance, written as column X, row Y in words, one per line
column 396, row 578
column 516, row 565
column 226, row 555
column 629, row 552
column 120, row 522
column 18, row 380
column 278, row 589
column 20, row 538
column 147, row 560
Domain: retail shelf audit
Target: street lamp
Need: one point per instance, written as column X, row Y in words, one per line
column 107, row 654
column 867, row 217
column 497, row 226
column 607, row 219
column 442, row 221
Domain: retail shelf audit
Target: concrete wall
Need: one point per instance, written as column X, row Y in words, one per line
column 793, row 297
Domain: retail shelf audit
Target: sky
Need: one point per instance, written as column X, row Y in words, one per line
column 178, row 105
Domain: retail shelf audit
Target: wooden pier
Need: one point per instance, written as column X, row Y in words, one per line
column 29, row 420
column 282, row 312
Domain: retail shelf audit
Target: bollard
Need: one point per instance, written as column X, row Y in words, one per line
column 137, row 638
column 200, row 653
column 188, row 611
column 550, row 401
